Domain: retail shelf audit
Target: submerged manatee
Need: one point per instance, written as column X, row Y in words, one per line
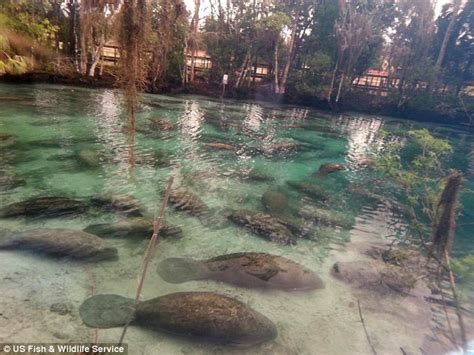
column 126, row 204
column 252, row 270
column 202, row 315
column 60, row 242
column 187, row 201
column 274, row 201
column 264, row 225
column 330, row 168
column 183, row 200
column 137, row 227
column 311, row 190
column 44, row 207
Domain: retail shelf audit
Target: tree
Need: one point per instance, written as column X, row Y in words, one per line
column 432, row 192
column 133, row 29
column 169, row 26
column 359, row 36
column 411, row 44
column 26, row 36
column 95, row 17
column 454, row 33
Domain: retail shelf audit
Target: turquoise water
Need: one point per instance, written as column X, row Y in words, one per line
column 72, row 142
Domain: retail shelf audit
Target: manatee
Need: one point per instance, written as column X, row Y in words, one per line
column 9, row 182
column 6, row 140
column 279, row 149
column 46, row 207
column 60, row 242
column 160, row 124
column 126, row 204
column 327, row 217
column 274, row 201
column 137, row 227
column 328, row 168
column 89, row 158
column 189, row 202
column 375, row 276
column 251, row 270
column 204, row 316
column 183, row 200
column 220, row 146
column 252, row 175
column 264, row 225
column 311, row 190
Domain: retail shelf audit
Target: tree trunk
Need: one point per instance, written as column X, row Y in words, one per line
column 194, row 31
column 96, row 55
column 275, row 69
column 447, row 35
column 83, row 54
column 341, row 83
column 242, row 70
column 289, row 56
column 331, row 87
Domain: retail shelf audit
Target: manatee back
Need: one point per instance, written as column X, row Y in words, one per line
column 207, row 316
column 262, row 270
column 106, row 311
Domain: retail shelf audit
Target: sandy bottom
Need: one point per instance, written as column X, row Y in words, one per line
column 320, row 322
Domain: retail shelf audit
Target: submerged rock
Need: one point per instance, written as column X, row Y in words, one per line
column 45, row 207
column 251, row 270
column 61, row 308
column 328, row 168
column 202, row 315
column 311, row 190
column 60, row 242
column 138, row 227
column 274, row 201
column 264, row 225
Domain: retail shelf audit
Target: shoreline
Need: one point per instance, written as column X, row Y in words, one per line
column 357, row 102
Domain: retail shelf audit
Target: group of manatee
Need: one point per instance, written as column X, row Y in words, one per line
column 204, row 315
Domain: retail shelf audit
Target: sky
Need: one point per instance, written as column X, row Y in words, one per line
column 205, row 8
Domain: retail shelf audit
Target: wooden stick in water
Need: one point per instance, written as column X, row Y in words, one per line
column 365, row 329
column 149, row 253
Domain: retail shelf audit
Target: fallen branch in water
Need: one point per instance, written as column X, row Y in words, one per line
column 365, row 329
column 454, row 292
column 149, row 253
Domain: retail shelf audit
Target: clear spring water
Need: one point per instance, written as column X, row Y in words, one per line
column 55, row 127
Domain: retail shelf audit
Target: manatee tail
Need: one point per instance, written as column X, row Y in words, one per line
column 107, row 311
column 178, row 270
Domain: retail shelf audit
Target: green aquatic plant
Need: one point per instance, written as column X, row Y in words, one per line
column 422, row 178
column 464, row 267
column 432, row 191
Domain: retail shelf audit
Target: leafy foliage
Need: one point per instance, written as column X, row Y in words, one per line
column 422, row 177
